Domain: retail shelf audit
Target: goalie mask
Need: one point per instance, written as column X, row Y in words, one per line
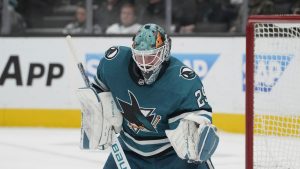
column 150, row 48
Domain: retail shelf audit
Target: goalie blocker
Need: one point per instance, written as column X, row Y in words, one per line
column 100, row 118
column 195, row 139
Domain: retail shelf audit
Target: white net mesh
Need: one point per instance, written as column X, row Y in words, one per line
column 277, row 96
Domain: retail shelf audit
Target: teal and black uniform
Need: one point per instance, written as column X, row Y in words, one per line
column 149, row 110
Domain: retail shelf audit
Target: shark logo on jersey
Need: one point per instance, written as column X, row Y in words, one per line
column 187, row 73
column 139, row 118
column 111, row 53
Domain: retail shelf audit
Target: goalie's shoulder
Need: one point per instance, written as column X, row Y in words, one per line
column 117, row 53
column 182, row 75
column 113, row 64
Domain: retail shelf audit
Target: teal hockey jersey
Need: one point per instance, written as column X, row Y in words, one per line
column 149, row 110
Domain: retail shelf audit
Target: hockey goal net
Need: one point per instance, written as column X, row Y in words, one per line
column 273, row 92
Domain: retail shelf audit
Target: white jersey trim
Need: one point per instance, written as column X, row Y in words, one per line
column 181, row 116
column 161, row 149
column 147, row 142
column 102, row 85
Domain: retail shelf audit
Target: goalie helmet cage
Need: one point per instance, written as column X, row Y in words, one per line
column 273, row 92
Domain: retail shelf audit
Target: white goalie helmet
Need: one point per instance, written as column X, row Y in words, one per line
column 150, row 48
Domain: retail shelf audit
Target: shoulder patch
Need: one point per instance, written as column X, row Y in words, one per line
column 187, row 73
column 111, row 53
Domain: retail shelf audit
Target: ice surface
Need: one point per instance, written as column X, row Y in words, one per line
column 43, row 148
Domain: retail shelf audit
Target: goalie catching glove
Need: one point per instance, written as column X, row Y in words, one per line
column 100, row 118
column 195, row 139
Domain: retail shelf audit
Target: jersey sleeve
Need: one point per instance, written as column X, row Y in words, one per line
column 99, row 79
column 194, row 101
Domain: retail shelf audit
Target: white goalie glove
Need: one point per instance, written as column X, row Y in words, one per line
column 194, row 139
column 100, row 118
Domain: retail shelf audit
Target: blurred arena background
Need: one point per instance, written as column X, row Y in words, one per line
column 39, row 113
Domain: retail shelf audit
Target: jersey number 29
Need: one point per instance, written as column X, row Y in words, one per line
column 201, row 97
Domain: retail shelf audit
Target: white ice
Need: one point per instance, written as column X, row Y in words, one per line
column 40, row 148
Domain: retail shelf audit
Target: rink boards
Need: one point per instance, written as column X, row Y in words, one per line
column 38, row 78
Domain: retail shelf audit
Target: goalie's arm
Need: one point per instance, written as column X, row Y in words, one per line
column 99, row 83
column 191, row 133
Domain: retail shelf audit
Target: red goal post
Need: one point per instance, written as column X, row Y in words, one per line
column 272, row 92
